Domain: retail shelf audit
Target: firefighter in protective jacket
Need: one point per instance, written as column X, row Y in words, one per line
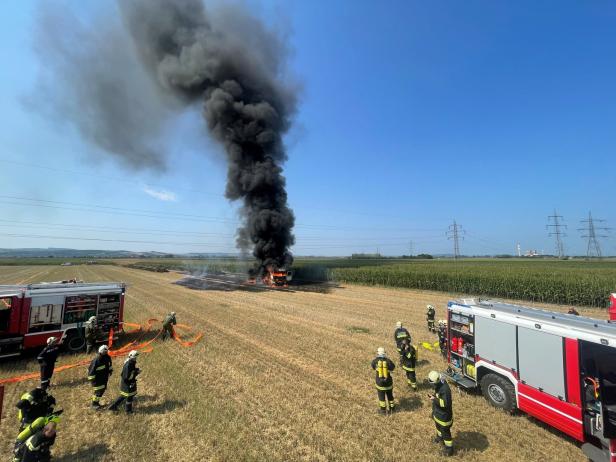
column 168, row 324
column 32, row 429
column 98, row 374
column 47, row 361
column 401, row 334
column 91, row 334
column 430, row 318
column 128, row 383
column 409, row 359
column 442, row 411
column 38, row 446
column 34, row 404
column 383, row 366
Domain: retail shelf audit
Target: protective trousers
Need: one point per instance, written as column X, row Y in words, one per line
column 46, row 373
column 389, row 394
column 443, row 431
column 431, row 324
column 167, row 332
column 128, row 406
column 411, row 378
column 98, row 390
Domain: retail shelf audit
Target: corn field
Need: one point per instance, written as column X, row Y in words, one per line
column 564, row 282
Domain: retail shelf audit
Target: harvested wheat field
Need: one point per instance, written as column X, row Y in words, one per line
column 278, row 376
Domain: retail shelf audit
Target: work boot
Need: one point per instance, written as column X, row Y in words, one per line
column 448, row 451
column 95, row 405
column 382, row 411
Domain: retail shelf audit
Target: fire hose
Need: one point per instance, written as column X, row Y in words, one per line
column 143, row 347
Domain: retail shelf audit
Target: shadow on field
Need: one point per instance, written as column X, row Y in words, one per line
column 90, row 453
column 471, row 441
column 410, row 404
column 68, row 383
column 159, row 408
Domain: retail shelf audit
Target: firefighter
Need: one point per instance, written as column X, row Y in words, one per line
column 91, row 334
column 168, row 324
column 38, row 446
column 34, row 404
column 442, row 336
column 442, row 411
column 409, row 359
column 430, row 318
column 47, row 361
column 399, row 335
column 32, row 429
column 384, row 380
column 128, row 383
column 98, row 374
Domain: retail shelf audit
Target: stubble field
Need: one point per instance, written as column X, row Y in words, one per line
column 278, row 376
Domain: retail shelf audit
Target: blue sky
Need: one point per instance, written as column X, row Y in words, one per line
column 412, row 114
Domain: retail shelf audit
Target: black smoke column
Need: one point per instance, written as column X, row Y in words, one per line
column 233, row 64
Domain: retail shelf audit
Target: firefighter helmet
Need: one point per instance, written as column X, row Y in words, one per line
column 172, row 313
column 429, row 307
column 434, row 377
column 52, row 340
column 380, row 351
column 104, row 349
column 399, row 324
column 133, row 354
column 92, row 319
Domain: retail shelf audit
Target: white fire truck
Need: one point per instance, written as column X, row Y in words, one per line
column 559, row 368
column 30, row 314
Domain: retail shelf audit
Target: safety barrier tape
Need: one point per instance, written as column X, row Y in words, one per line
column 142, row 347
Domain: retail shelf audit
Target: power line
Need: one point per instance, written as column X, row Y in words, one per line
column 554, row 227
column 455, row 233
column 590, row 230
column 95, row 208
column 81, row 173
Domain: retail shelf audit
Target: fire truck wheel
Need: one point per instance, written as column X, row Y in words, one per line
column 75, row 343
column 498, row 391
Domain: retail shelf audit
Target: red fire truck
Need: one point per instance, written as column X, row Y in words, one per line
column 559, row 368
column 30, row 314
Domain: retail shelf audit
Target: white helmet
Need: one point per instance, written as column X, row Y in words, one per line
column 434, row 377
column 380, row 351
column 133, row 354
column 172, row 313
column 52, row 340
column 429, row 306
column 104, row 349
column 92, row 319
column 399, row 324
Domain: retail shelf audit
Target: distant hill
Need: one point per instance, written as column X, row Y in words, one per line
column 54, row 252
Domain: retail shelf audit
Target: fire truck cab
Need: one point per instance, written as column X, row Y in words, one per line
column 559, row 368
column 30, row 314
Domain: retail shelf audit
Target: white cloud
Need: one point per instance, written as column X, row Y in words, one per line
column 161, row 194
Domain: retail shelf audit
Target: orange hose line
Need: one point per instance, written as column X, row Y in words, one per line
column 143, row 347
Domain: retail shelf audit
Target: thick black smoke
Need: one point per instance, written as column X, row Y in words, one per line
column 233, row 64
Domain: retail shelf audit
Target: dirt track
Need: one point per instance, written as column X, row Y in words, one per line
column 278, row 376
